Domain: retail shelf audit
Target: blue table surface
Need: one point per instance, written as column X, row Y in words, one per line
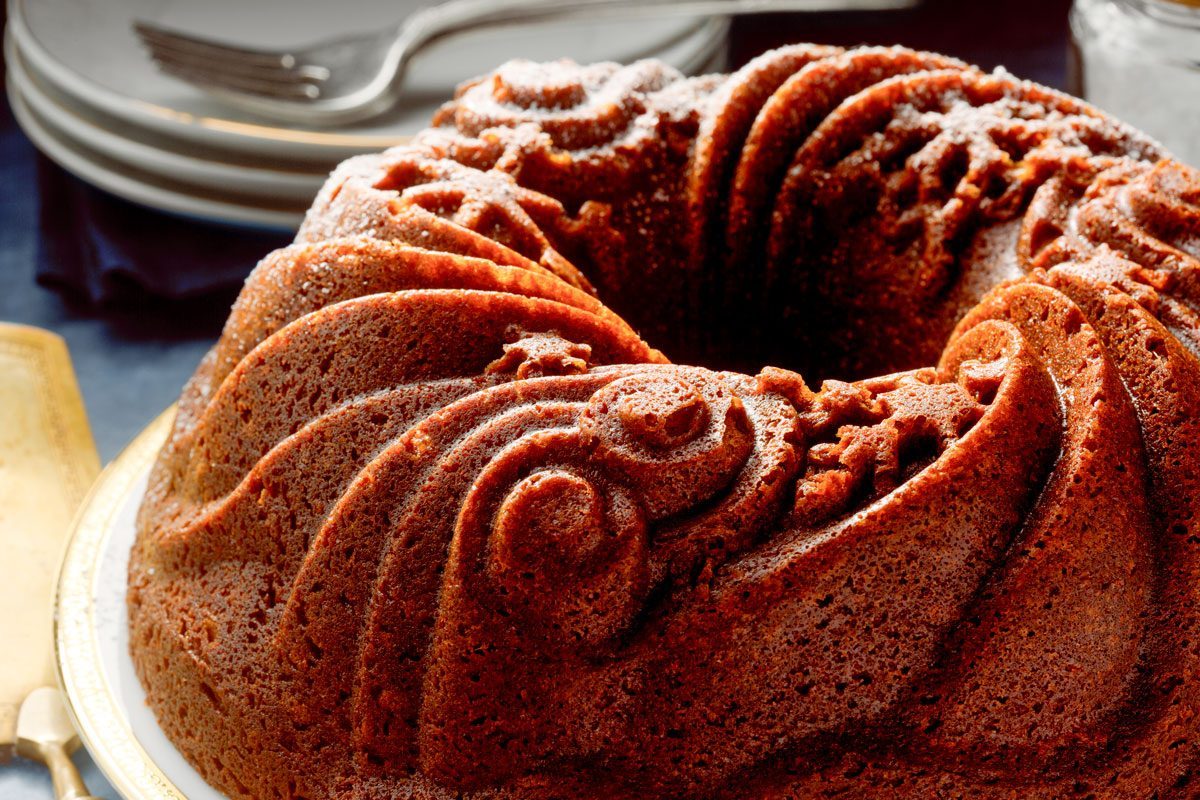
column 132, row 361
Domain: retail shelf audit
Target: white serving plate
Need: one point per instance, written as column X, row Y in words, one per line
column 144, row 151
column 86, row 50
column 142, row 187
column 91, row 637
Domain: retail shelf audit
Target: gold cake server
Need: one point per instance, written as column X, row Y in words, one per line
column 47, row 463
column 45, row 733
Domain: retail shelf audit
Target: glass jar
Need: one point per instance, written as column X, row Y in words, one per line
column 1140, row 61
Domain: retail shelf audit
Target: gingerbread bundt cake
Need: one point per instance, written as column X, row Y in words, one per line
column 436, row 522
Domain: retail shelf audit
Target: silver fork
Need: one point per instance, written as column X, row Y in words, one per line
column 344, row 80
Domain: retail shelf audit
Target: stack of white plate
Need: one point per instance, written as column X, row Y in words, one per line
column 84, row 91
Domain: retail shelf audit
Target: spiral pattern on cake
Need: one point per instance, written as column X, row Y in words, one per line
column 436, row 522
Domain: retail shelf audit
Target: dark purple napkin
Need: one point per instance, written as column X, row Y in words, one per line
column 105, row 250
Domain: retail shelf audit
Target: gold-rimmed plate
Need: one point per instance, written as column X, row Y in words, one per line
column 91, row 637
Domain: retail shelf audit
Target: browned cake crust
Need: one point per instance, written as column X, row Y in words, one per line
column 435, row 522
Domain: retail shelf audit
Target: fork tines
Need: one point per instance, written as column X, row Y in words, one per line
column 276, row 74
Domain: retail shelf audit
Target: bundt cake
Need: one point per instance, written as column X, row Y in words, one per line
column 435, row 521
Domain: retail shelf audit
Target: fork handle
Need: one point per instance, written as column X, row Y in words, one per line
column 456, row 16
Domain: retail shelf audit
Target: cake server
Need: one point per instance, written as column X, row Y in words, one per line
column 45, row 734
column 47, row 463
column 336, row 82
